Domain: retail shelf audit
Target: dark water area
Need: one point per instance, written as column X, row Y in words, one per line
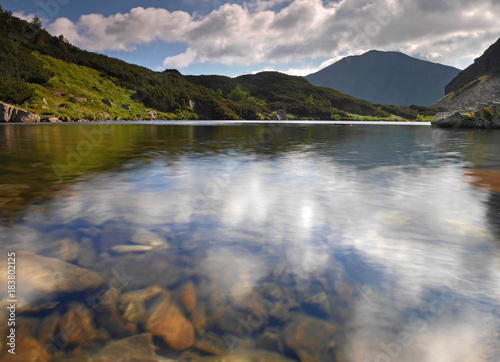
column 249, row 242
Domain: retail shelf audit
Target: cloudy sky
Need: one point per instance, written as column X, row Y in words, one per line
column 293, row 36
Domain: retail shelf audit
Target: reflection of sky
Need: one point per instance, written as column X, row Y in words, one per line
column 416, row 231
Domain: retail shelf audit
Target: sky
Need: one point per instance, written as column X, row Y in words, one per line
column 297, row 37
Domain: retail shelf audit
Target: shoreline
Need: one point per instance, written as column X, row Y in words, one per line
column 232, row 122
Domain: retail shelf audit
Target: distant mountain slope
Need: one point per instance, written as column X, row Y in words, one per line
column 387, row 78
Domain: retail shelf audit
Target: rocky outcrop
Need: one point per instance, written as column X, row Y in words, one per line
column 486, row 64
column 483, row 90
column 50, row 119
column 280, row 116
column 10, row 113
column 474, row 93
column 450, row 119
column 485, row 116
column 153, row 115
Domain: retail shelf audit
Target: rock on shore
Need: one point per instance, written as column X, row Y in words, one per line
column 484, row 116
column 10, row 113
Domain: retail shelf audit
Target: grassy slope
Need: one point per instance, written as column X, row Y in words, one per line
column 71, row 82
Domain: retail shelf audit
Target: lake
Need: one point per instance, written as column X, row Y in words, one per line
column 265, row 241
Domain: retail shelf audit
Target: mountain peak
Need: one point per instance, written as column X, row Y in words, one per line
column 387, row 77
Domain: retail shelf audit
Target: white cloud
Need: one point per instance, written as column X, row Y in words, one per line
column 23, row 15
column 450, row 32
column 28, row 17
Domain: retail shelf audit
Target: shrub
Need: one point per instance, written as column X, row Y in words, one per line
column 15, row 91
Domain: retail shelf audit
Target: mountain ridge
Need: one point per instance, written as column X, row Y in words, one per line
column 387, row 78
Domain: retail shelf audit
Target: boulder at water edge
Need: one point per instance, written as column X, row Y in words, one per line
column 10, row 113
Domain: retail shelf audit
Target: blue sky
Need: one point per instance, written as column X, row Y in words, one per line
column 293, row 36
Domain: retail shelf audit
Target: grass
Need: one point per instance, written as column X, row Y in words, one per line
column 77, row 92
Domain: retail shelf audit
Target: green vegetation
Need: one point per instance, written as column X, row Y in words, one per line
column 77, row 92
column 39, row 65
column 294, row 95
column 412, row 112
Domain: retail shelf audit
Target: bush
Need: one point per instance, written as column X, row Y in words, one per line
column 15, row 91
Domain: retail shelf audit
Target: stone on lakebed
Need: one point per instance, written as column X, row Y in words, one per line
column 40, row 277
column 166, row 320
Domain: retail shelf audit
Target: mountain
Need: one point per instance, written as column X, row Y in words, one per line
column 477, row 85
column 387, row 78
column 52, row 78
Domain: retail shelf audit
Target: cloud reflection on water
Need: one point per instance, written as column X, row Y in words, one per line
column 414, row 233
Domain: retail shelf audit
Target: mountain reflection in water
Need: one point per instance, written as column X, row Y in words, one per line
column 264, row 241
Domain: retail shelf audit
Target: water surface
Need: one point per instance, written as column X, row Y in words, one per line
column 381, row 239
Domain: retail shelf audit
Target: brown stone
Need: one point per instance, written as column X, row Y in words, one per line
column 141, row 295
column 135, row 312
column 136, row 348
column 76, row 325
column 167, row 321
column 312, row 340
column 188, row 295
column 199, row 320
column 48, row 328
column 27, row 350
column 246, row 356
column 209, row 347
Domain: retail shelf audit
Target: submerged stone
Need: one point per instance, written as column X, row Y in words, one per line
column 167, row 321
column 312, row 340
column 40, row 277
column 135, row 348
column 141, row 295
column 77, row 326
column 124, row 249
column 319, row 303
column 245, row 356
column 199, row 320
column 87, row 253
column 188, row 295
column 146, row 237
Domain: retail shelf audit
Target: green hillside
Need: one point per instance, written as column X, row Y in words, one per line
column 293, row 94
